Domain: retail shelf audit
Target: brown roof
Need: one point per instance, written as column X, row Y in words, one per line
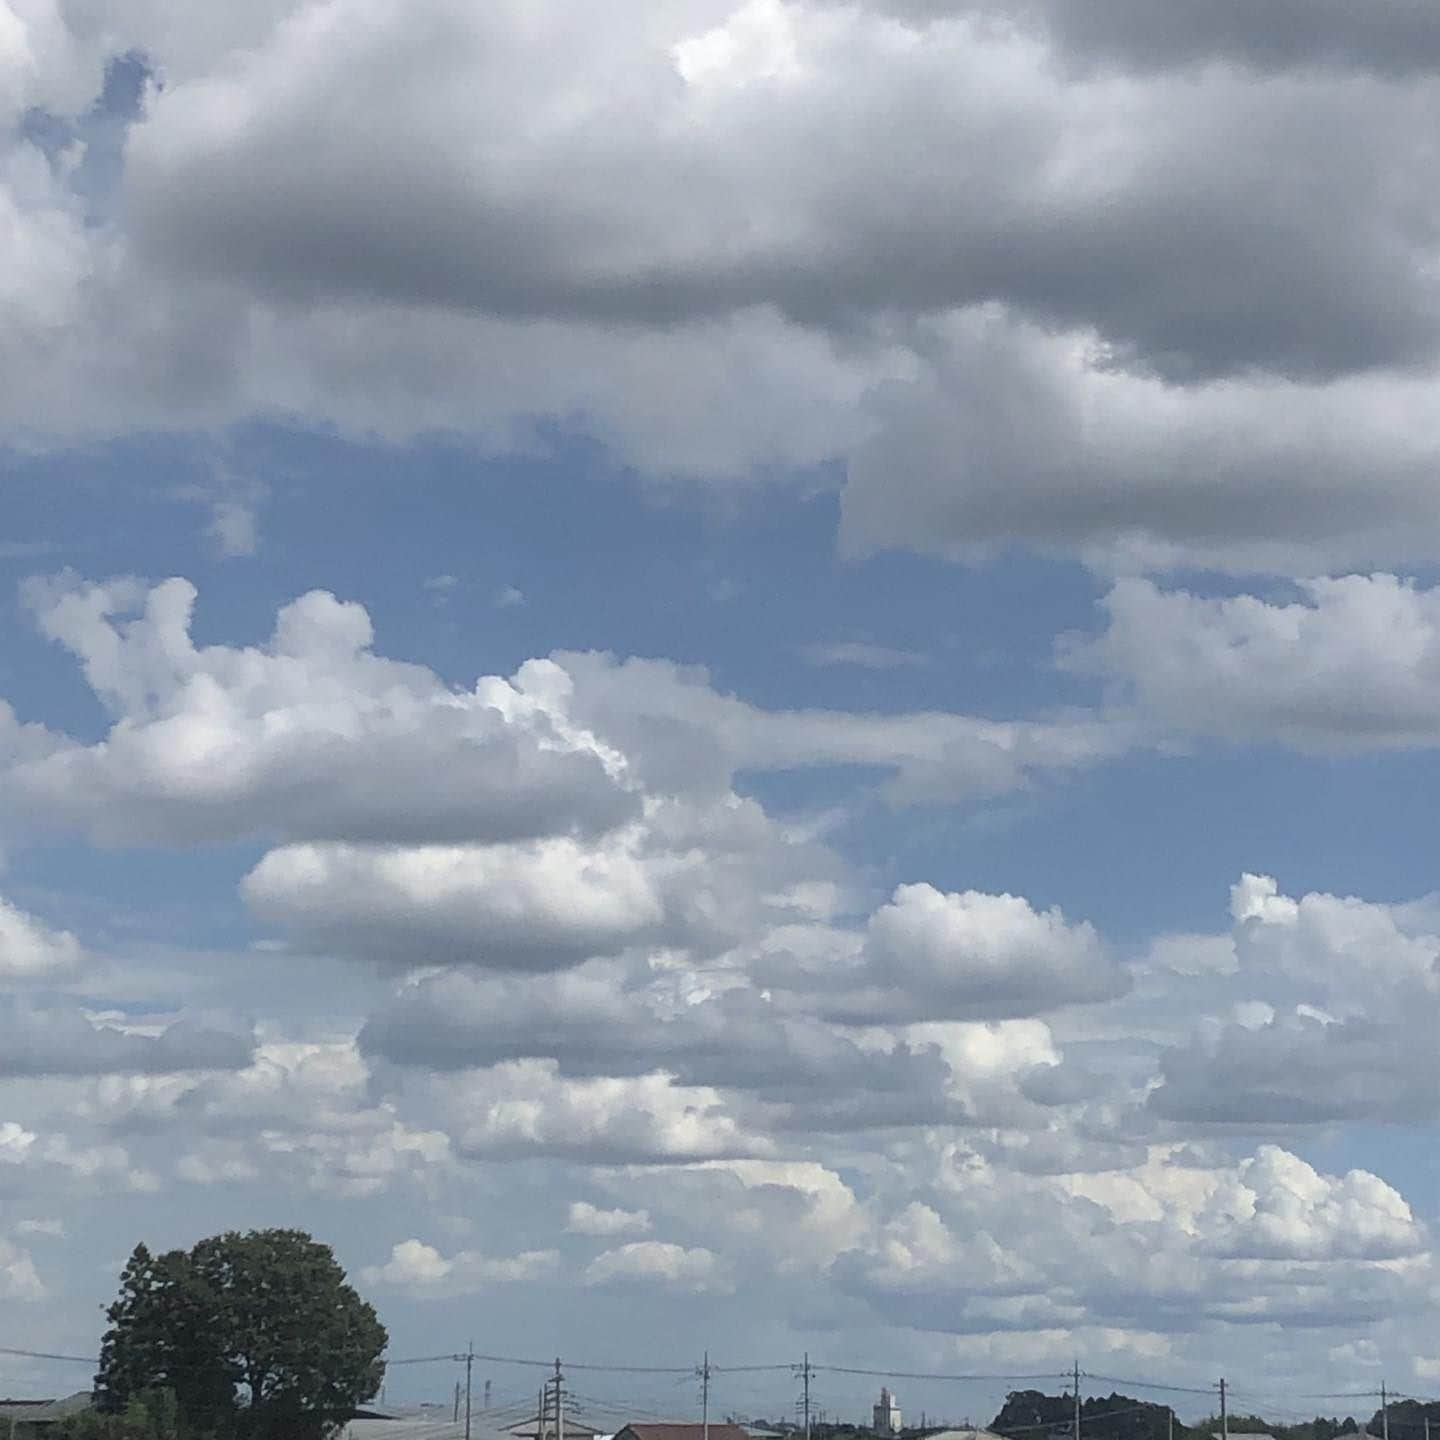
column 681, row 1431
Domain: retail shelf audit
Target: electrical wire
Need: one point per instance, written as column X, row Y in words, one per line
column 46, row 1355
column 1147, row 1384
column 929, row 1375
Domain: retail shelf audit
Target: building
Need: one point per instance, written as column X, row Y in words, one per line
column 664, row 1430
column 887, row 1413
column 30, row 1419
column 538, row 1427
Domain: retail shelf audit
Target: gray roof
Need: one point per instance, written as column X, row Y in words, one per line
column 432, row 1427
column 44, row 1412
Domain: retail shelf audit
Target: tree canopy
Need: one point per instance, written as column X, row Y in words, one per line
column 254, row 1335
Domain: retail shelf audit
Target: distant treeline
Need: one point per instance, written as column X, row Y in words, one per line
column 1034, row 1415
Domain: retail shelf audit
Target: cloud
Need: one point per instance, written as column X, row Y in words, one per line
column 1019, row 434
column 539, row 906
column 310, row 736
column 1395, row 37
column 866, row 656
column 928, row 954
column 1265, row 1240
column 526, row 1108
column 587, row 1219
column 1280, row 1208
column 682, row 733
column 1353, row 664
column 30, row 950
column 55, row 1229
column 234, row 527
column 61, row 1040
column 1334, row 991
column 656, row 1264
column 804, row 1072
column 1176, row 304
column 423, row 1272
column 19, row 1279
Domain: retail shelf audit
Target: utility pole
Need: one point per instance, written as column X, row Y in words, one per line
column 1224, row 1414
column 487, row 1395
column 455, row 1416
column 469, row 1370
column 1170, row 1422
column 559, row 1403
column 806, row 1373
column 1077, row 1399
column 1384, row 1414
column 705, row 1399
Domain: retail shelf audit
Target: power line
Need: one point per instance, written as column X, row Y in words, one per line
column 1058, row 1425
column 1135, row 1384
column 46, row 1355
column 933, row 1375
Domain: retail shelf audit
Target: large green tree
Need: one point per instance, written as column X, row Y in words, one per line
column 256, row 1334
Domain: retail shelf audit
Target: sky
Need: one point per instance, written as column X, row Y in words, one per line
column 743, row 677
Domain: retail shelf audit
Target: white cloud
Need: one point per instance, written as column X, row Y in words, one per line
column 234, row 527
column 864, row 655
column 30, row 950
column 543, row 905
column 1352, row 664
column 1329, row 1003
column 55, row 1229
column 423, row 1272
column 588, row 1219
column 655, row 1263
column 1279, row 1208
column 526, row 1108
column 309, row 736
column 19, row 1279
column 966, row 956
column 681, row 732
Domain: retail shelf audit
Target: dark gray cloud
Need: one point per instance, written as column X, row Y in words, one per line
column 1391, row 37
column 60, row 1040
column 808, row 1074
column 1302, row 1071
column 1211, row 227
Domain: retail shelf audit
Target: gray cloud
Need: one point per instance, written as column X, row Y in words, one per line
column 60, row 1040
column 1391, row 37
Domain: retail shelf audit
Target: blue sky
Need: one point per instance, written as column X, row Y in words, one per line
column 757, row 677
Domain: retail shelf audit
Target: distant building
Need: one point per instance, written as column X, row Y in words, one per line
column 887, row 1413
column 30, row 1419
column 538, row 1427
column 664, row 1430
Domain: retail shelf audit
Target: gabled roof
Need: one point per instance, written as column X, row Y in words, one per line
column 31, row 1412
column 680, row 1430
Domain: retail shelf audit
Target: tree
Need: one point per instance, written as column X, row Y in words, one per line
column 167, row 1333
column 257, row 1335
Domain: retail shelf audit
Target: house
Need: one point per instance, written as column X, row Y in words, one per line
column 681, row 1430
column 30, row 1419
column 539, row 1427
